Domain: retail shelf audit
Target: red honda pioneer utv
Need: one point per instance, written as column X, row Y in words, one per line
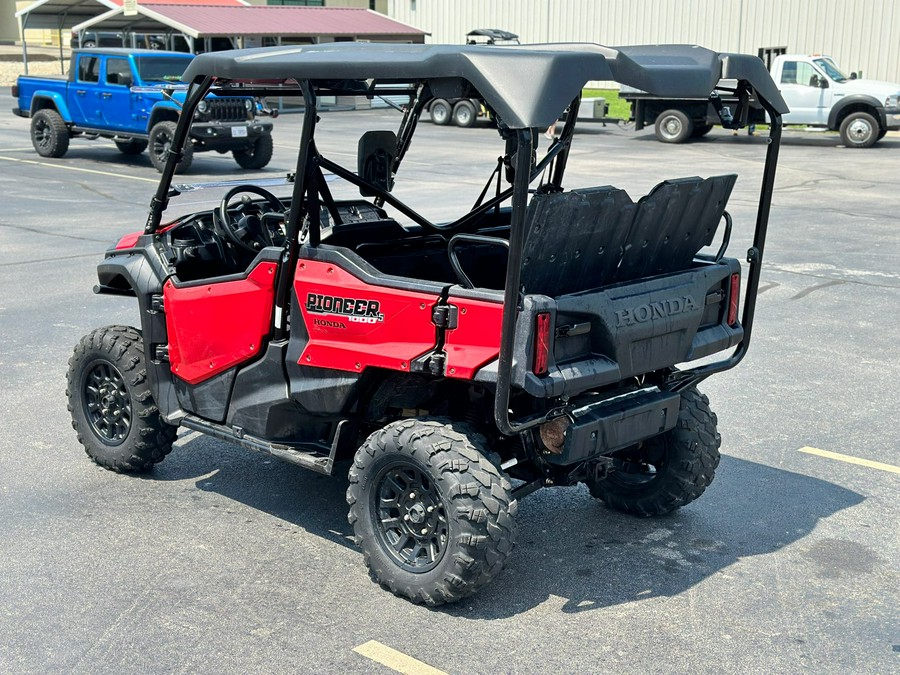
column 453, row 367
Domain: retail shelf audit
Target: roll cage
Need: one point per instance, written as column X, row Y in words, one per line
column 520, row 107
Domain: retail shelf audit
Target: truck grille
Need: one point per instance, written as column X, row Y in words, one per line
column 227, row 109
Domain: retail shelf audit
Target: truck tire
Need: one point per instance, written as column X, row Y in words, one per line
column 673, row 126
column 440, row 112
column 859, row 130
column 112, row 408
column 255, row 157
column 668, row 471
column 49, row 133
column 134, row 146
column 161, row 136
column 434, row 517
column 464, row 114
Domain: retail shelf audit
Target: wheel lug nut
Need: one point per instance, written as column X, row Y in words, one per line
column 412, row 495
column 424, row 530
column 430, row 509
column 406, row 517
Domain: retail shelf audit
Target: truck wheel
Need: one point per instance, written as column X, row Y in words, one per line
column 464, row 114
column 673, row 126
column 440, row 112
column 49, row 133
column 134, row 146
column 701, row 130
column 668, row 471
column 257, row 156
column 161, row 136
column 112, row 409
column 433, row 516
column 859, row 130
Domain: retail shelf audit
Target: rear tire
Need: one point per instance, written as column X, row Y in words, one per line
column 161, row 136
column 859, row 130
column 434, row 517
column 673, row 126
column 49, row 133
column 666, row 472
column 257, row 156
column 112, row 407
column 440, row 112
column 464, row 114
column 134, row 146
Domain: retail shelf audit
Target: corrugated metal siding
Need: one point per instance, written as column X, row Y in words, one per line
column 859, row 34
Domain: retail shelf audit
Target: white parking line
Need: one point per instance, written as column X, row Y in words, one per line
column 850, row 459
column 78, row 168
column 395, row 660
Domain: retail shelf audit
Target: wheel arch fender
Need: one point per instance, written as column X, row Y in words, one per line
column 53, row 100
column 165, row 111
column 856, row 103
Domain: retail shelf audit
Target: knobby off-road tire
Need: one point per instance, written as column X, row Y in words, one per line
column 134, row 146
column 113, row 411
column 680, row 464
column 161, row 136
column 256, row 157
column 49, row 133
column 433, row 516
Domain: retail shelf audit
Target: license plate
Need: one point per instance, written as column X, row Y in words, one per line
column 239, row 132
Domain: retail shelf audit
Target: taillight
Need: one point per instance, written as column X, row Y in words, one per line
column 541, row 343
column 733, row 299
column 15, row 91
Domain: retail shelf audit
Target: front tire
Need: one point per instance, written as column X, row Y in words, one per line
column 433, row 516
column 673, row 126
column 666, row 472
column 859, row 130
column 49, row 133
column 161, row 136
column 255, row 157
column 112, row 407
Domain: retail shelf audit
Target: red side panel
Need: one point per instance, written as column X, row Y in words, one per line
column 216, row 326
column 128, row 241
column 476, row 339
column 353, row 325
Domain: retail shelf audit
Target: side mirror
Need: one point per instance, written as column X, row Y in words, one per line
column 823, row 82
column 375, row 157
column 853, row 76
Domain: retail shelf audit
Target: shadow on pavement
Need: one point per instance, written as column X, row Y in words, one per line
column 569, row 545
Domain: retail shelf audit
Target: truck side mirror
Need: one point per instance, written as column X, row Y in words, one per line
column 823, row 82
column 853, row 75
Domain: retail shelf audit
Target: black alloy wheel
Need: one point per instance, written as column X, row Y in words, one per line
column 107, row 405
column 410, row 518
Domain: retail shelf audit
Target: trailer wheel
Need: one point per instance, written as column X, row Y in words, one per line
column 673, row 126
column 433, row 516
column 859, row 130
column 161, row 136
column 666, row 472
column 112, row 407
column 464, row 114
column 440, row 112
column 49, row 133
column 133, row 146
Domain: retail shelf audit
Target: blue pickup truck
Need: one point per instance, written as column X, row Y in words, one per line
column 134, row 98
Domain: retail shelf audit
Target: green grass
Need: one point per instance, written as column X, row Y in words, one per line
column 617, row 107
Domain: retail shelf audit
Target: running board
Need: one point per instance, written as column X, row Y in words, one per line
column 317, row 457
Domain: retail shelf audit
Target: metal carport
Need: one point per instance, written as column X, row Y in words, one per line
column 58, row 15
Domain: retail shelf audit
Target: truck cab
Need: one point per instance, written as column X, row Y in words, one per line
column 820, row 94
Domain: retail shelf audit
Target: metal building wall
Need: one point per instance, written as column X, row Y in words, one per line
column 860, row 34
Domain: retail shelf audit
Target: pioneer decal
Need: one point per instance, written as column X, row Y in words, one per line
column 655, row 310
column 357, row 310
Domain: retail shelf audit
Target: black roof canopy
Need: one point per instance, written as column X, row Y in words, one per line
column 527, row 85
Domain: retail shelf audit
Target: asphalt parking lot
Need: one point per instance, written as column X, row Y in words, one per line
column 225, row 561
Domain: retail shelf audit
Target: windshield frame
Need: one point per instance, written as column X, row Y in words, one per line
column 830, row 68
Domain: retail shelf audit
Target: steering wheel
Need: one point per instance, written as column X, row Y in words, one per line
column 247, row 230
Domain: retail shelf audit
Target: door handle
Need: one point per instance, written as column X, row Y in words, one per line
column 80, row 92
column 106, row 94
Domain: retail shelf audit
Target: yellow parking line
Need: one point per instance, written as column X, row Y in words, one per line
column 851, row 460
column 395, row 660
column 78, row 168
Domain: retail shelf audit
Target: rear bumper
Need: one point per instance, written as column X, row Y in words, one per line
column 18, row 112
column 608, row 426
